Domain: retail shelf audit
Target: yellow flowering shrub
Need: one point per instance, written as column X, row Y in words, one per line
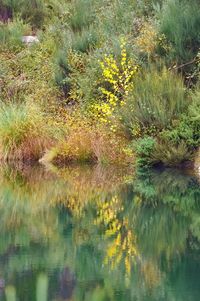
column 117, row 82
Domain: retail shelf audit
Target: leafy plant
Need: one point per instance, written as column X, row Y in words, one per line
column 187, row 129
column 144, row 148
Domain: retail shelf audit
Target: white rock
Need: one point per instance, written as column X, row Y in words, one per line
column 30, row 39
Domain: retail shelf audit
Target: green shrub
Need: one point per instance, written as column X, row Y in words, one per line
column 180, row 23
column 144, row 147
column 194, row 108
column 151, row 152
column 170, row 154
column 157, row 99
column 23, row 132
column 187, row 129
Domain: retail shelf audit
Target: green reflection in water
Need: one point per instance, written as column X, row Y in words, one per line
column 10, row 293
column 42, row 287
column 87, row 234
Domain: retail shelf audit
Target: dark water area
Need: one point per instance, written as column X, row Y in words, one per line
column 93, row 234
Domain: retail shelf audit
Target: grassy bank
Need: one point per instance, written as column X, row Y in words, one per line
column 110, row 83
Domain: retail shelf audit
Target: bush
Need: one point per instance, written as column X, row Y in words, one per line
column 23, row 132
column 158, row 98
column 187, row 129
column 28, row 75
column 144, row 147
column 170, row 154
column 151, row 151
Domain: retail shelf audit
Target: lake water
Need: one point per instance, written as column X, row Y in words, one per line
column 93, row 234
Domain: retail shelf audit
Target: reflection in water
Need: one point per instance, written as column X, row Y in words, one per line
column 42, row 287
column 89, row 234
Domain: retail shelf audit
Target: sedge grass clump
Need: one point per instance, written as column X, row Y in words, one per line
column 157, row 100
column 81, row 15
column 180, row 23
column 85, row 40
column 23, row 132
column 11, row 35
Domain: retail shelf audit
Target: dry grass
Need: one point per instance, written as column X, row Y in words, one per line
column 85, row 142
column 24, row 132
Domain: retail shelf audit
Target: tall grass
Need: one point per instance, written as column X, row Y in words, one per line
column 158, row 98
column 23, row 132
column 81, row 15
column 85, row 40
column 62, row 72
column 11, row 34
column 32, row 11
column 180, row 22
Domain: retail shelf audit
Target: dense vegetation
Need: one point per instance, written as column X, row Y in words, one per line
column 109, row 81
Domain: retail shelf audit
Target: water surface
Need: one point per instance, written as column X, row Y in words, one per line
column 90, row 234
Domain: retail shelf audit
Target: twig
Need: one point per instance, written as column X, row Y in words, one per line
column 197, row 59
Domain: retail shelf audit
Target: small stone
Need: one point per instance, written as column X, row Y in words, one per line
column 30, row 39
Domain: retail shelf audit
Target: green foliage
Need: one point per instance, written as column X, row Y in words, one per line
column 180, row 23
column 32, row 11
column 170, row 154
column 188, row 128
column 62, row 72
column 11, row 35
column 146, row 7
column 150, row 152
column 144, row 147
column 84, row 41
column 157, row 99
column 194, row 108
column 81, row 15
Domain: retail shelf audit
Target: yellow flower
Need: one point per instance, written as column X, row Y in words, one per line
column 119, row 75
